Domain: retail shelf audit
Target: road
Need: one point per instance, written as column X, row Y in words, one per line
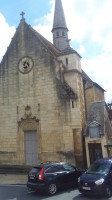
column 14, row 192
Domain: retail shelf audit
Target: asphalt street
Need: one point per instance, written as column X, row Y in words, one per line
column 20, row 192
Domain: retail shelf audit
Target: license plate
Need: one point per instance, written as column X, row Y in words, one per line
column 32, row 177
column 86, row 188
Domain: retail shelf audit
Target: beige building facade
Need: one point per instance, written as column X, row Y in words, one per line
column 45, row 99
column 98, row 138
column 38, row 100
column 98, row 135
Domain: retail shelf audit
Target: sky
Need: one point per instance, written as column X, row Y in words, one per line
column 90, row 30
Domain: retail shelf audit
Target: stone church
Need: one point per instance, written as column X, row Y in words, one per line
column 50, row 110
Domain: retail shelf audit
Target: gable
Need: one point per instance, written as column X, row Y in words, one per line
column 25, row 40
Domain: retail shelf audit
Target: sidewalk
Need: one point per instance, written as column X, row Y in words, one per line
column 17, row 179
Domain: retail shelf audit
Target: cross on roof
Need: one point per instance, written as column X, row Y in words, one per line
column 22, row 14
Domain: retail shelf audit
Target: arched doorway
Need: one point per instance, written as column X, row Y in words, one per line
column 29, row 140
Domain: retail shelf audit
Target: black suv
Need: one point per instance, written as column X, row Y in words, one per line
column 51, row 176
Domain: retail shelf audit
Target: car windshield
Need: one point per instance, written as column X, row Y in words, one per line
column 99, row 168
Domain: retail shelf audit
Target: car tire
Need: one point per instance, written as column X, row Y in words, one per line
column 52, row 188
column 108, row 192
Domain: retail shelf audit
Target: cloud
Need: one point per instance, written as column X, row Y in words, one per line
column 45, row 23
column 86, row 19
column 92, row 20
column 6, row 33
column 44, row 30
column 81, row 49
column 99, row 70
column 102, row 26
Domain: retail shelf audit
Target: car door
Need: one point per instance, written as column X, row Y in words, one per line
column 71, row 175
column 56, row 173
column 61, row 175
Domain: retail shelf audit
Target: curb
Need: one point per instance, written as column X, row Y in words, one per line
column 16, row 184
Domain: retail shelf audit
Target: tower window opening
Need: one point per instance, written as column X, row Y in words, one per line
column 66, row 61
column 57, row 34
column 73, row 104
column 63, row 33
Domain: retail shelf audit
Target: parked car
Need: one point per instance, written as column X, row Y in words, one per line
column 51, row 176
column 97, row 180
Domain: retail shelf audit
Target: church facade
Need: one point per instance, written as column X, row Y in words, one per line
column 45, row 100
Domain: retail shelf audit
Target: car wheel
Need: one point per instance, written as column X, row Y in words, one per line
column 52, row 189
column 108, row 192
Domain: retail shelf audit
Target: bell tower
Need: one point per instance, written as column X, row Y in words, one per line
column 60, row 30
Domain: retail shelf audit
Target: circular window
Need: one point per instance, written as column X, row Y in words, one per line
column 25, row 64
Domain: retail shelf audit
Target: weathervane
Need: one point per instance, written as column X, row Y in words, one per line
column 22, row 14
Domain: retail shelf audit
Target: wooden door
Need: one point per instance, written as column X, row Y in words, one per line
column 31, row 147
column 95, row 152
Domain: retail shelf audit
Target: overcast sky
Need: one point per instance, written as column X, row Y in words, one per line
column 90, row 30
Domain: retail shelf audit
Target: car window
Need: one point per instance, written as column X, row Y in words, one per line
column 68, row 167
column 99, row 168
column 53, row 169
column 35, row 170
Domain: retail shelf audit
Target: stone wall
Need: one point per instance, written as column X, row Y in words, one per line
column 29, row 101
column 93, row 94
column 73, row 76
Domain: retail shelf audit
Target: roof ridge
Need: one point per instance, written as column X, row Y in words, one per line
column 44, row 41
column 87, row 78
column 69, row 50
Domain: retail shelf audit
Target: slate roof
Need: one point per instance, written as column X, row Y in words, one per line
column 91, row 83
column 86, row 77
column 68, row 51
column 59, row 17
column 96, row 113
